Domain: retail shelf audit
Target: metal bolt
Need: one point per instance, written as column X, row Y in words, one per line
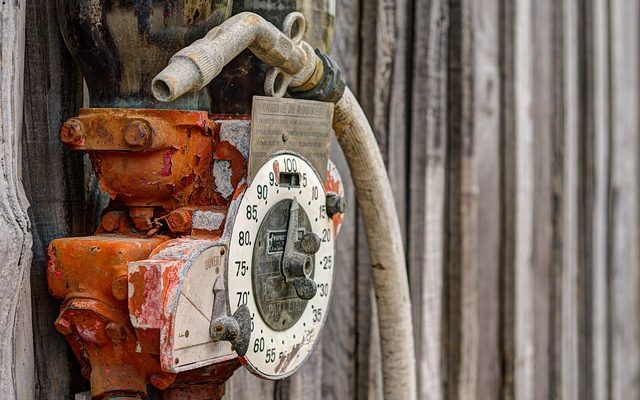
column 141, row 217
column 138, row 133
column 63, row 326
column 111, row 220
column 180, row 221
column 310, row 243
column 335, row 204
column 72, row 133
column 120, row 288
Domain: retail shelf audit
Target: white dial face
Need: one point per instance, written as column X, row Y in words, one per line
column 284, row 326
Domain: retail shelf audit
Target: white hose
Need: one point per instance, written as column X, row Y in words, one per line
column 389, row 272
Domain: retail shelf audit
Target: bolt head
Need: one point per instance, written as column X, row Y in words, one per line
column 180, row 221
column 335, row 204
column 120, row 288
column 310, row 243
column 111, row 220
column 63, row 325
column 72, row 133
column 138, row 133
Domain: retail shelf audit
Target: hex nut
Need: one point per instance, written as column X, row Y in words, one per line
column 138, row 133
column 72, row 133
column 111, row 220
column 180, row 221
column 63, row 325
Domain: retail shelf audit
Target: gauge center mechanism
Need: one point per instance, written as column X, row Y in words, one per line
column 277, row 298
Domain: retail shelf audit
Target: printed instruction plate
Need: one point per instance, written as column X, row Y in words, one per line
column 298, row 126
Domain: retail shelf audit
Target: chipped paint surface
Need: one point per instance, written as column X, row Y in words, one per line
column 222, row 176
column 236, row 132
column 295, row 351
column 207, row 220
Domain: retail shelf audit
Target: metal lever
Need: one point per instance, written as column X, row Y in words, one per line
column 297, row 264
column 235, row 329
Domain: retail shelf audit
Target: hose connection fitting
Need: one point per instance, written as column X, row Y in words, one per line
column 293, row 61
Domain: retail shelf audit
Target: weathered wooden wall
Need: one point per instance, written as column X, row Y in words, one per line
column 510, row 130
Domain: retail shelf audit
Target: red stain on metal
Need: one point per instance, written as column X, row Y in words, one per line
column 166, row 168
column 88, row 331
column 149, row 312
column 52, row 269
column 276, row 171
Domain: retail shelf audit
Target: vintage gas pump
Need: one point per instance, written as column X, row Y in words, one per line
column 217, row 248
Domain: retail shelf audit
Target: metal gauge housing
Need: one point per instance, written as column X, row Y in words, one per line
column 280, row 264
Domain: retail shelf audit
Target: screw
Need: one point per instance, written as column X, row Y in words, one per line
column 138, row 133
column 285, row 137
column 335, row 204
column 72, row 133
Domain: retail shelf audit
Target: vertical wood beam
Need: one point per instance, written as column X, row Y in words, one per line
column 596, row 185
column 16, row 352
column 624, row 197
column 462, row 198
column 54, row 183
column 486, row 130
column 427, row 172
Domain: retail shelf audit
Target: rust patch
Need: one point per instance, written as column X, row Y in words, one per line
column 167, row 163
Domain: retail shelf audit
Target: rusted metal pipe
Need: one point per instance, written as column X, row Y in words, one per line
column 195, row 66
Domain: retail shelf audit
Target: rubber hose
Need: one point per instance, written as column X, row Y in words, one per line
column 382, row 227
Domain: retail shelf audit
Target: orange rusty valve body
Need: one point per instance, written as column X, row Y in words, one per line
column 172, row 177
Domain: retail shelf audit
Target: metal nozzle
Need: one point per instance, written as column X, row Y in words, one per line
column 195, row 66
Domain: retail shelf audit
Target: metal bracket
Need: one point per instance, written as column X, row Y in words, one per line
column 235, row 329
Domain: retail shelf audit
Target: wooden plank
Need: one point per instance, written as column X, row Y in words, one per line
column 54, row 182
column 427, row 172
column 486, row 127
column 517, row 328
column 16, row 354
column 462, row 197
column 596, row 182
column 544, row 97
column 624, row 201
column 570, row 369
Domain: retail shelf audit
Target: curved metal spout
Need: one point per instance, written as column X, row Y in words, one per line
column 195, row 66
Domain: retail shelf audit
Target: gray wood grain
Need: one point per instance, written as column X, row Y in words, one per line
column 624, row 201
column 486, row 127
column 16, row 353
column 427, row 180
column 462, row 197
column 596, row 182
column 54, row 182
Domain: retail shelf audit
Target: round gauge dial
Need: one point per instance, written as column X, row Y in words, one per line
column 281, row 264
